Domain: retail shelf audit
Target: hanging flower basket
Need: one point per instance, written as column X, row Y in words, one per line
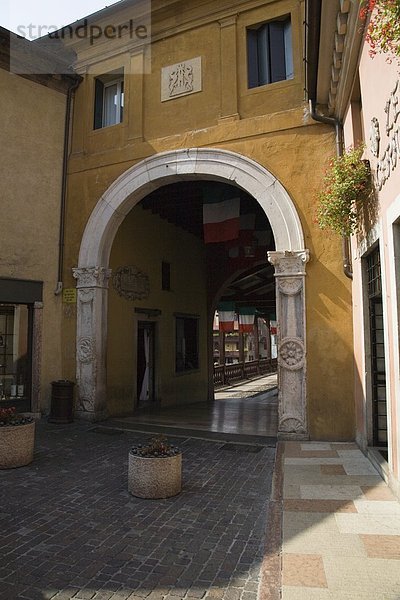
column 347, row 183
column 383, row 29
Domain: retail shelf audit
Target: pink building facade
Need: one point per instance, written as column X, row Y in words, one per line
column 359, row 97
column 376, row 263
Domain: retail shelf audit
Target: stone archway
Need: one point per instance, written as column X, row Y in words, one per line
column 289, row 259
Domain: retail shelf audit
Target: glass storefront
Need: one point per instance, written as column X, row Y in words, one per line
column 15, row 356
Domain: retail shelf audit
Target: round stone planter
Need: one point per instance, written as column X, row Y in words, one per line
column 16, row 445
column 154, row 477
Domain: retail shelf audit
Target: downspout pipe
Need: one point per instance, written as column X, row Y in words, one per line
column 61, row 239
column 347, row 266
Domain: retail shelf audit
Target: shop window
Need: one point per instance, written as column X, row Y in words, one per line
column 109, row 100
column 187, row 343
column 15, row 355
column 269, row 52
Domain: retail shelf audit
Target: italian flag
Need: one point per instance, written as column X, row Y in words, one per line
column 246, row 319
column 221, row 214
column 226, row 316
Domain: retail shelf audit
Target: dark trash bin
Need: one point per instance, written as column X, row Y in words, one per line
column 62, row 401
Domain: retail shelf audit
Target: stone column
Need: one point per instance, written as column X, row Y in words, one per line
column 37, row 357
column 91, row 344
column 290, row 313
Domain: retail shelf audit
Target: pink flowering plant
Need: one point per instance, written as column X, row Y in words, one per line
column 346, row 184
column 383, row 29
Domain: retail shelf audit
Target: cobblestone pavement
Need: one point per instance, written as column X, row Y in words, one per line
column 69, row 528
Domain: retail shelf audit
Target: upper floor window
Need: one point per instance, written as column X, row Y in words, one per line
column 269, row 52
column 109, row 100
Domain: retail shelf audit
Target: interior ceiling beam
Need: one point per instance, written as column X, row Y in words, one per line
column 262, row 288
column 256, row 271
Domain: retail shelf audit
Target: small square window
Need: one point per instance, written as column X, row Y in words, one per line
column 187, row 344
column 109, row 100
column 269, row 52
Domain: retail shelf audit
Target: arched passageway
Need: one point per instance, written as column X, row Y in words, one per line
column 289, row 259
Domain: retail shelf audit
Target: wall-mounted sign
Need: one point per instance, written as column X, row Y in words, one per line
column 131, row 283
column 181, row 79
column 69, row 295
column 388, row 161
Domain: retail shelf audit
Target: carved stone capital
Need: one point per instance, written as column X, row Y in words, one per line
column 288, row 264
column 228, row 21
column 88, row 277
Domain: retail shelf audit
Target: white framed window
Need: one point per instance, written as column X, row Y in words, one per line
column 109, row 100
column 269, row 52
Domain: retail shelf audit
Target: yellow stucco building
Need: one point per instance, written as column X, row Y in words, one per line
column 197, row 96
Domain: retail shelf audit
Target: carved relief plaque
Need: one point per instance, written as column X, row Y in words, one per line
column 181, row 79
column 131, row 283
column 291, row 354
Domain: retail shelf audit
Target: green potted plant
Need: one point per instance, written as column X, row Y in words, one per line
column 155, row 469
column 17, row 438
column 346, row 184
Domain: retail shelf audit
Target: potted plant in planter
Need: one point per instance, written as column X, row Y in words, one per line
column 17, row 437
column 155, row 470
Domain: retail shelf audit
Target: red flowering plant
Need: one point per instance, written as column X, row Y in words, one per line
column 346, row 184
column 9, row 417
column 383, row 29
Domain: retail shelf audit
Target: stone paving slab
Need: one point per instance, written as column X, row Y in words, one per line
column 341, row 539
column 70, row 529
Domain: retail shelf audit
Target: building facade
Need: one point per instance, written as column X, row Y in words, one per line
column 195, row 111
column 32, row 110
column 360, row 96
column 159, row 119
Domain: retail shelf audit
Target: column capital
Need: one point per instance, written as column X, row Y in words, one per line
column 90, row 277
column 228, row 21
column 289, row 264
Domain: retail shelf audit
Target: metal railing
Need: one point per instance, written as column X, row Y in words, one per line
column 226, row 374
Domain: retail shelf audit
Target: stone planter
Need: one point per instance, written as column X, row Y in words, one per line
column 152, row 477
column 16, row 445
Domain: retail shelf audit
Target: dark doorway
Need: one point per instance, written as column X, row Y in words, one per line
column 145, row 363
column 377, row 350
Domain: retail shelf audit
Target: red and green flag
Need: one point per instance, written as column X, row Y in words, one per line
column 221, row 213
column 226, row 316
column 246, row 319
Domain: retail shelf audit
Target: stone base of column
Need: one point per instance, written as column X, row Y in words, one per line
column 91, row 416
column 293, row 437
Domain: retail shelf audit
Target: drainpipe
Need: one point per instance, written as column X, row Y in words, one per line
column 70, row 94
column 347, row 266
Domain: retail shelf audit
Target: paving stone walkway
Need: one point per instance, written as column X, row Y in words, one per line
column 341, row 525
column 69, row 528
